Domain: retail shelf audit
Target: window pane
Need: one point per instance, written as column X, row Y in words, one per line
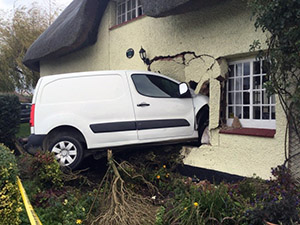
column 256, row 97
column 246, row 112
column 256, row 82
column 238, row 111
column 230, row 112
column 133, row 14
column 129, row 5
column 129, row 16
column 273, row 112
column 265, row 98
column 256, row 112
column 119, row 10
column 265, row 78
column 155, row 86
column 238, row 83
column 238, row 98
column 246, row 98
column 133, row 4
column 256, row 67
column 239, row 69
column 123, row 18
column 230, row 98
column 265, row 66
column 246, row 69
column 265, row 112
column 231, row 84
column 140, row 11
column 231, row 71
column 123, row 8
column 272, row 99
column 246, row 84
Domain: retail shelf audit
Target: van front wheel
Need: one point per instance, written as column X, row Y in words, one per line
column 67, row 150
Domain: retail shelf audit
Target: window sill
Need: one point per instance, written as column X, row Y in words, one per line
column 268, row 133
column 129, row 21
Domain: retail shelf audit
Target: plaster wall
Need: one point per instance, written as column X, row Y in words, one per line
column 224, row 30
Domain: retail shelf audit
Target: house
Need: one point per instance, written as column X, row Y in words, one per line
column 205, row 41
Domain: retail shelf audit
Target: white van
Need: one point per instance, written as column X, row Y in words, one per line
column 77, row 114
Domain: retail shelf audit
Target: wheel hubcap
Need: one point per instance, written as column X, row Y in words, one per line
column 65, row 152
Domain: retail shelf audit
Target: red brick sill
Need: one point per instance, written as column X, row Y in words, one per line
column 129, row 21
column 268, row 133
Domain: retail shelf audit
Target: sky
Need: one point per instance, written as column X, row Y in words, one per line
column 8, row 4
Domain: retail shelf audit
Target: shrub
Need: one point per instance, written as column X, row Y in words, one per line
column 65, row 208
column 42, row 169
column 9, row 118
column 10, row 204
column 279, row 203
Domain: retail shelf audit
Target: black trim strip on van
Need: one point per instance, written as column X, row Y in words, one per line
column 156, row 124
column 139, row 125
column 113, row 127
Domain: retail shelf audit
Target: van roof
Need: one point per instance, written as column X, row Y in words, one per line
column 50, row 78
column 88, row 73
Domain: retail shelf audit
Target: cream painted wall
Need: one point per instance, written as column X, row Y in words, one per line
column 224, row 30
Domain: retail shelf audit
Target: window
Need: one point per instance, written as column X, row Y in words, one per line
column 128, row 10
column 155, row 86
column 246, row 96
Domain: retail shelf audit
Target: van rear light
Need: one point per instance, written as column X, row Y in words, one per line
column 31, row 122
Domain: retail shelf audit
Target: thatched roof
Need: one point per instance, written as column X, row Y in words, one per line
column 78, row 25
column 75, row 28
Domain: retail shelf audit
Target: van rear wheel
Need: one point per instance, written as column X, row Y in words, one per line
column 67, row 150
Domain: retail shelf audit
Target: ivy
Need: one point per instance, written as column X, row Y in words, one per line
column 281, row 20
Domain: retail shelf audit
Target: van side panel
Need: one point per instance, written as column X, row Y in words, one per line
column 85, row 102
column 83, row 89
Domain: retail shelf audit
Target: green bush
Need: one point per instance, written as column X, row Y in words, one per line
column 9, row 118
column 65, row 208
column 279, row 202
column 42, row 169
column 50, row 193
column 10, row 204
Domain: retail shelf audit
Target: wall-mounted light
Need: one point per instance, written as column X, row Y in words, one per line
column 143, row 56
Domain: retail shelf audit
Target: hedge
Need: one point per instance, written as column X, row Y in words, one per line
column 10, row 199
column 9, row 118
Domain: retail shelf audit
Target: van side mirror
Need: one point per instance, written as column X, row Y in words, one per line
column 184, row 90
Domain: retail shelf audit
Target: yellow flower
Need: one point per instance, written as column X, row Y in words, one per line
column 164, row 166
column 185, row 208
column 196, row 204
column 78, row 221
column 158, row 176
column 65, row 202
column 167, row 175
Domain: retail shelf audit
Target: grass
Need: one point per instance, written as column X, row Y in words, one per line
column 24, row 130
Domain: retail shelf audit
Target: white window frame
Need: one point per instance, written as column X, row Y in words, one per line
column 236, row 103
column 126, row 12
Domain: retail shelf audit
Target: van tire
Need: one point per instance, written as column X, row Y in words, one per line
column 68, row 151
column 203, row 122
column 201, row 128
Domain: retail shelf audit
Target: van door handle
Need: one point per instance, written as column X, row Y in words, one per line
column 143, row 104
